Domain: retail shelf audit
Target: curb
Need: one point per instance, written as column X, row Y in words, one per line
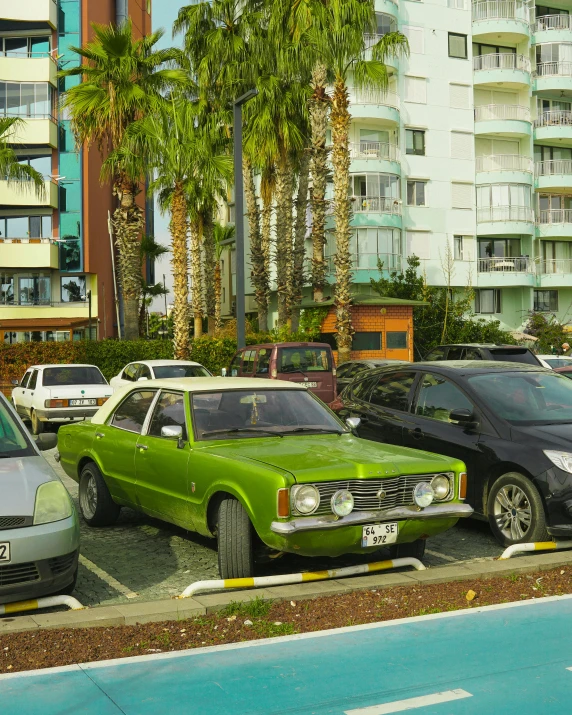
column 129, row 614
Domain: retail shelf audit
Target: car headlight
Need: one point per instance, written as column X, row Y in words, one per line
column 342, row 502
column 563, row 460
column 52, row 503
column 305, row 499
column 441, row 485
column 423, row 494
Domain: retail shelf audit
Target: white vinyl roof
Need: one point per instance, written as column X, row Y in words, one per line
column 158, row 363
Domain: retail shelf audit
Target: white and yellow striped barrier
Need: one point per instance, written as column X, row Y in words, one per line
column 37, row 603
column 285, row 579
column 537, row 546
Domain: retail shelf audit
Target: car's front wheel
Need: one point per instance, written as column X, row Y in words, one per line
column 515, row 511
column 414, row 550
column 234, row 540
column 37, row 424
column 95, row 502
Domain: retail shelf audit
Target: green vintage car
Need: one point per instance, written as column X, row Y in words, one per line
column 263, row 466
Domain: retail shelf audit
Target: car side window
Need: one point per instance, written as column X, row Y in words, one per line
column 235, row 365
column 25, row 379
column 130, row 372
column 455, row 354
column 144, row 372
column 131, row 413
column 344, row 370
column 393, row 390
column 33, row 380
column 437, row 397
column 169, row 412
column 263, row 364
column 437, row 354
column 472, row 354
column 248, row 362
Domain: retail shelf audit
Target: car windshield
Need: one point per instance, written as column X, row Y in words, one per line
column 240, row 414
column 72, row 375
column 557, row 362
column 526, row 398
column 522, row 355
column 13, row 442
column 304, row 359
column 168, row 371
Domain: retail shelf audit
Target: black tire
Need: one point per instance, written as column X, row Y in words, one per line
column 95, row 502
column 509, row 524
column 37, row 424
column 68, row 590
column 414, row 550
column 234, row 539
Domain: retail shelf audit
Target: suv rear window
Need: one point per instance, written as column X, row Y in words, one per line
column 304, row 359
column 522, row 355
column 69, row 375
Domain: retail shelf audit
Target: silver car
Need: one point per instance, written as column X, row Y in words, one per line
column 39, row 527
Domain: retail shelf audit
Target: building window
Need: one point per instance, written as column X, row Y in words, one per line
column 366, row 341
column 26, row 227
column 415, row 142
column 6, row 290
column 546, row 300
column 458, row 248
column 34, row 290
column 416, row 193
column 396, row 340
column 73, row 289
column 416, row 90
column 462, row 195
column 26, row 100
column 369, row 246
column 457, row 46
column 488, row 301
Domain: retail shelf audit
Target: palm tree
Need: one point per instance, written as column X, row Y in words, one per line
column 336, row 35
column 150, row 251
column 123, row 79
column 26, row 177
column 221, row 237
column 299, row 252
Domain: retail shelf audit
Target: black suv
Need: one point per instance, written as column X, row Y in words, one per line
column 484, row 351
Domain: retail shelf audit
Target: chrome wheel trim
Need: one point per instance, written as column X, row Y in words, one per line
column 512, row 512
column 88, row 497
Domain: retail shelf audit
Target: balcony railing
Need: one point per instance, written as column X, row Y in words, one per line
column 42, row 303
column 504, row 162
column 554, row 216
column 555, row 118
column 29, row 55
column 552, row 22
column 501, row 61
column 374, row 150
column 550, row 168
column 487, row 214
column 369, row 262
column 372, row 39
column 488, row 112
column 561, row 68
column 28, row 239
column 376, row 204
column 28, row 115
column 555, row 265
column 500, row 10
column 504, row 264
column 373, row 96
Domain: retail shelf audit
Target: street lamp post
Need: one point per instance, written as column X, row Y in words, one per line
column 239, row 217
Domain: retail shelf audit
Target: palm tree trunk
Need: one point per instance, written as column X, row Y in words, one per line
column 340, row 119
column 298, row 277
column 258, row 272
column 319, row 107
column 267, row 190
column 210, row 267
column 218, row 295
column 196, row 273
column 127, row 225
column 284, row 193
column 179, row 262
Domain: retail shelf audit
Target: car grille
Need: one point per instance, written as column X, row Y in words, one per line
column 18, row 573
column 60, row 564
column 14, row 522
column 398, row 490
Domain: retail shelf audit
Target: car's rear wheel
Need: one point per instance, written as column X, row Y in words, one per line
column 95, row 502
column 515, row 511
column 413, row 550
column 235, row 540
column 37, row 424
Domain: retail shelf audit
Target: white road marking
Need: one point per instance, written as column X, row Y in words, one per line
column 439, row 555
column 109, row 580
column 398, row 706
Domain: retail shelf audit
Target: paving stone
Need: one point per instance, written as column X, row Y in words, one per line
column 378, row 580
column 213, row 602
column 165, row 610
column 13, row 624
column 442, row 574
column 310, row 589
column 87, row 618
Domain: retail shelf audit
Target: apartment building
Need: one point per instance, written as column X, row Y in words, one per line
column 56, row 280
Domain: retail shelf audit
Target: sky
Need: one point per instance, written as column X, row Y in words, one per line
column 164, row 14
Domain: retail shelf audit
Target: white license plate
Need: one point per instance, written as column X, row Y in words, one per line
column 309, row 384
column 4, row 552
column 379, row 534
column 82, row 403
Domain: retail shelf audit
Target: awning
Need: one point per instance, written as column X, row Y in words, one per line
column 14, row 324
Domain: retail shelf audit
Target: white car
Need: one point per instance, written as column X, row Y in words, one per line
column 59, row 393
column 157, row 370
column 553, row 361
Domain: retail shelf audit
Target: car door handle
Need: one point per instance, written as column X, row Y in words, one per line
column 416, row 433
column 99, row 435
column 142, row 446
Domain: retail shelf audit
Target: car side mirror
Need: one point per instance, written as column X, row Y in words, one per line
column 462, row 417
column 172, row 431
column 16, row 383
column 142, row 378
column 46, row 440
column 353, row 422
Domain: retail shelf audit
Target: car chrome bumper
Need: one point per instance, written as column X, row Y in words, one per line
column 66, row 414
column 308, row 523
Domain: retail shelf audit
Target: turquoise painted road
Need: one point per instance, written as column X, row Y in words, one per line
column 501, row 659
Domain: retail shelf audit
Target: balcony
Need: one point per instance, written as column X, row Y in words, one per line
column 552, row 77
column 504, row 162
column 23, row 194
column 555, row 273
column 503, row 120
column 391, row 61
column 505, row 19
column 554, row 223
column 554, row 127
column 552, row 28
column 374, row 103
column 29, row 253
column 369, row 262
column 505, row 272
column 28, row 67
column 495, row 220
column 31, row 11
column 376, row 205
column 554, row 174
column 377, row 156
column 555, row 265
column 511, row 69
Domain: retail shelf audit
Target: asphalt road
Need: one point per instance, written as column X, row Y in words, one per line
column 513, row 658
column 145, row 559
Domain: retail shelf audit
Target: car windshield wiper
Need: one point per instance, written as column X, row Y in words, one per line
column 322, row 430
column 241, row 429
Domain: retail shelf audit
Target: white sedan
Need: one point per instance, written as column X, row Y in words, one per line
column 157, row 370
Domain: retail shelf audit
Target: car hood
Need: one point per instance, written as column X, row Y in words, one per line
column 324, row 458
column 549, row 435
column 19, row 479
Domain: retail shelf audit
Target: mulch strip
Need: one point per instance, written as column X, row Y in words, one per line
column 262, row 619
